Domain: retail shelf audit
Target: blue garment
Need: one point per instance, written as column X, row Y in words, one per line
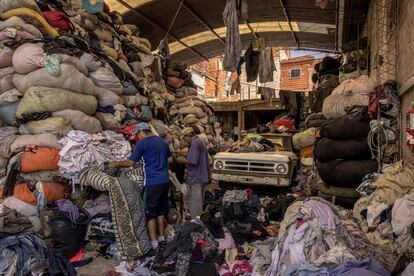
column 154, row 153
column 128, row 88
column 97, row 7
column 359, row 268
column 29, row 248
column 198, row 167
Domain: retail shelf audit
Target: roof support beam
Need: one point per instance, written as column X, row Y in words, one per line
column 254, row 34
column 202, row 21
column 285, row 11
column 149, row 20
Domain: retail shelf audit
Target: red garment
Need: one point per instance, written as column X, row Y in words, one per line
column 78, row 257
column 287, row 123
column 175, row 82
column 106, row 8
column 58, row 20
column 248, row 192
column 128, row 133
column 299, row 223
column 203, row 243
column 374, row 97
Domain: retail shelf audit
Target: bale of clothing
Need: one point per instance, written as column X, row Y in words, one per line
column 331, row 72
column 343, row 158
column 340, row 136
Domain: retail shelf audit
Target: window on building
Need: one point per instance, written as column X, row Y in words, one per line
column 295, row 73
column 200, row 90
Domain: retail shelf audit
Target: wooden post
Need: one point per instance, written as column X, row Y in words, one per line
column 239, row 120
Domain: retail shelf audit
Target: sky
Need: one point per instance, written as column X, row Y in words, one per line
column 300, row 53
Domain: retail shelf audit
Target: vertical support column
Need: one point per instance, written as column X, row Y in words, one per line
column 240, row 120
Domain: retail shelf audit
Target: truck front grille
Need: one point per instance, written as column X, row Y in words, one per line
column 247, row 166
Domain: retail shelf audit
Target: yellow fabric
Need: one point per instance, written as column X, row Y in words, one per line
column 230, row 255
column 110, row 52
column 29, row 12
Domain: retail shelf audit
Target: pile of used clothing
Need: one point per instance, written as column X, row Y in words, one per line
column 234, row 236
column 354, row 61
column 177, row 96
column 74, row 83
column 318, row 238
column 326, row 79
column 384, row 210
column 252, row 142
column 341, row 136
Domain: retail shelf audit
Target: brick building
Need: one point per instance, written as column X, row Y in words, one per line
column 211, row 79
column 214, row 83
column 296, row 73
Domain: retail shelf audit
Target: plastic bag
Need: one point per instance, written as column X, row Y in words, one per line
column 67, row 237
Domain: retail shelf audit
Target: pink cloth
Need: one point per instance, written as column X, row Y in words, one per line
column 78, row 257
column 235, row 268
column 227, row 242
column 32, row 148
column 16, row 35
column 6, row 57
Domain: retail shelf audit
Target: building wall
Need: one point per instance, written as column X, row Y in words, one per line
column 215, row 78
column 305, row 64
column 405, row 69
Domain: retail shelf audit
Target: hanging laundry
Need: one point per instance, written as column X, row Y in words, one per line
column 266, row 66
column 233, row 46
column 164, row 48
column 267, row 93
column 252, row 59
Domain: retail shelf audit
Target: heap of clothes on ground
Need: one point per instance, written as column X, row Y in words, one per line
column 338, row 150
column 74, row 83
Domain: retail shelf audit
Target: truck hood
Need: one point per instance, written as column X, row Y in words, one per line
column 284, row 156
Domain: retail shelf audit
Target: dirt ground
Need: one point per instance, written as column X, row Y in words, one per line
column 98, row 267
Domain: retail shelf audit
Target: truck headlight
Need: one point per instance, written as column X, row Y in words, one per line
column 281, row 169
column 219, row 165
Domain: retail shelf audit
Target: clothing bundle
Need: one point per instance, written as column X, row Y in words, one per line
column 326, row 79
column 344, row 158
column 252, row 143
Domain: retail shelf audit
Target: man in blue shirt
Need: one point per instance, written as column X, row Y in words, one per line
column 155, row 154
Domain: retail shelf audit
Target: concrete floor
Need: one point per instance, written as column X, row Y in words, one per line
column 99, row 267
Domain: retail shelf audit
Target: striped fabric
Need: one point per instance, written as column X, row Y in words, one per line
column 127, row 209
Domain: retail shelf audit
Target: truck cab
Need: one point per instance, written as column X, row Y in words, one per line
column 273, row 168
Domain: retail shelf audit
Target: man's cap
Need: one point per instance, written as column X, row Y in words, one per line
column 142, row 126
column 187, row 131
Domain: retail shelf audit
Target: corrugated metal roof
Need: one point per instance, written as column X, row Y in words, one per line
column 199, row 24
column 115, row 5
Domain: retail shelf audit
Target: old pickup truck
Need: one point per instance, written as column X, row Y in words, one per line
column 274, row 168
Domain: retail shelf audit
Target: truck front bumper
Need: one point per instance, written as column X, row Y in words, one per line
column 251, row 180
